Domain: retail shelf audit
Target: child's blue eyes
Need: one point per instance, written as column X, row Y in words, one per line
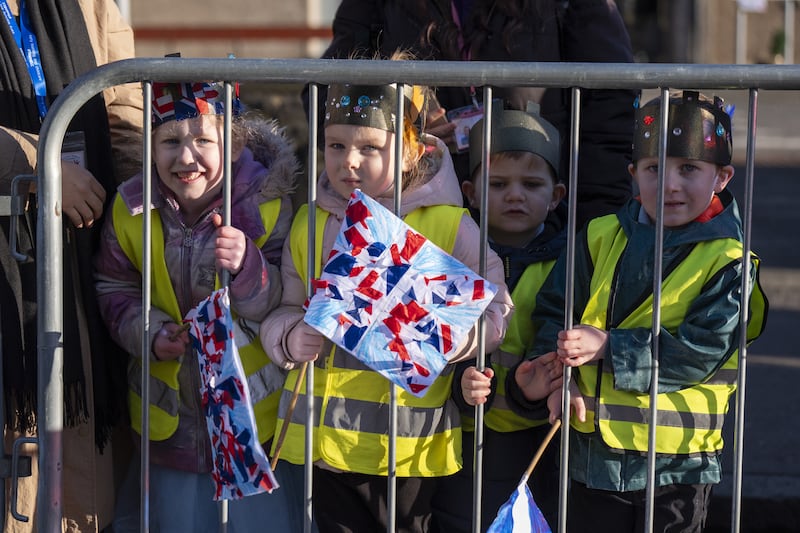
column 366, row 148
column 175, row 141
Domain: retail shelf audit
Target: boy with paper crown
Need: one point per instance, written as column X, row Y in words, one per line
column 527, row 224
column 350, row 445
column 191, row 247
column 610, row 347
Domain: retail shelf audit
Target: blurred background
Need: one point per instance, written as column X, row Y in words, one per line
column 673, row 31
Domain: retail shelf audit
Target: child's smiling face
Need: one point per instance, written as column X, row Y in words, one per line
column 689, row 186
column 359, row 157
column 188, row 156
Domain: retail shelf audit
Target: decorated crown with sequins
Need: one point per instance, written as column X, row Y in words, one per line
column 373, row 106
column 697, row 129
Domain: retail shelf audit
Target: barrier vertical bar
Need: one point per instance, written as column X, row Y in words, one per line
column 391, row 492
column 147, row 254
column 569, row 301
column 736, row 508
column 225, row 275
column 313, row 122
column 656, row 325
column 50, row 319
column 477, row 461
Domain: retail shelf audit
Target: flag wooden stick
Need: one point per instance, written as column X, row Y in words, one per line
column 542, row 447
column 288, row 417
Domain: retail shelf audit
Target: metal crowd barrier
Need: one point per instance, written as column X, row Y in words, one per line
column 577, row 76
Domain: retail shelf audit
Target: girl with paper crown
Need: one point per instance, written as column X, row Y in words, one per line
column 191, row 247
column 350, row 444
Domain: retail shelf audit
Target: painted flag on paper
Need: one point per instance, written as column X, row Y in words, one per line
column 241, row 467
column 520, row 514
column 393, row 299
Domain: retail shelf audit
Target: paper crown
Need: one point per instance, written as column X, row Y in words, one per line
column 370, row 105
column 179, row 101
column 697, row 129
column 517, row 131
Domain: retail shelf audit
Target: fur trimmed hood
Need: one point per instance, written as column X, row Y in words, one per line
column 270, row 146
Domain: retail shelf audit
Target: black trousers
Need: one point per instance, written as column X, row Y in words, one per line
column 505, row 458
column 356, row 503
column 677, row 509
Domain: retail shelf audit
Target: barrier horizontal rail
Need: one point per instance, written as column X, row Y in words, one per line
column 321, row 71
column 448, row 73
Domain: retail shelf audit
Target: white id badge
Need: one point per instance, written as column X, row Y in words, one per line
column 74, row 148
column 464, row 118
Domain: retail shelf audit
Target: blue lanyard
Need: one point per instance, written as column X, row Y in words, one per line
column 29, row 48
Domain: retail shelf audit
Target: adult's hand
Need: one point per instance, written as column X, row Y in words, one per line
column 436, row 124
column 82, row 196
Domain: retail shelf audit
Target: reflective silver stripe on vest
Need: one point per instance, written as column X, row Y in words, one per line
column 161, row 395
column 411, row 421
column 639, row 415
column 299, row 413
column 724, row 376
column 265, row 381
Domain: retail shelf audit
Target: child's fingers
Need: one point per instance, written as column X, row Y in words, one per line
column 578, row 407
column 176, row 333
column 216, row 218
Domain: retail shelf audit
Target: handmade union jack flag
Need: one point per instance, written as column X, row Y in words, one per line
column 241, row 467
column 393, row 299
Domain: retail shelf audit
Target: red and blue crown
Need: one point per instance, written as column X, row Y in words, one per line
column 179, row 101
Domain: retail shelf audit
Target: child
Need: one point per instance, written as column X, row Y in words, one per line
column 190, row 248
column 610, row 346
column 351, row 404
column 527, row 228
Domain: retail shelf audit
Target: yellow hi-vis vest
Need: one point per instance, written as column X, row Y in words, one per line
column 164, row 394
column 519, row 337
column 428, row 434
column 689, row 421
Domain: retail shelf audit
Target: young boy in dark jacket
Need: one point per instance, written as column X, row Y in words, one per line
column 527, row 229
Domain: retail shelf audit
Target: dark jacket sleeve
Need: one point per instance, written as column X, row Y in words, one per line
column 593, row 31
column 701, row 344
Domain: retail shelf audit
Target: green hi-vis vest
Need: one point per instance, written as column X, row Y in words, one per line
column 428, row 431
column 689, row 421
column 164, row 394
column 519, row 337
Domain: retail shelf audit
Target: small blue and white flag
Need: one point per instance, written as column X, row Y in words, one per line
column 520, row 514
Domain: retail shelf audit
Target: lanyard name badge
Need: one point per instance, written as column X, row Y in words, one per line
column 29, row 47
column 74, row 148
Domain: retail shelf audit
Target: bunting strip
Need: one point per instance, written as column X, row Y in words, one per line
column 240, row 465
